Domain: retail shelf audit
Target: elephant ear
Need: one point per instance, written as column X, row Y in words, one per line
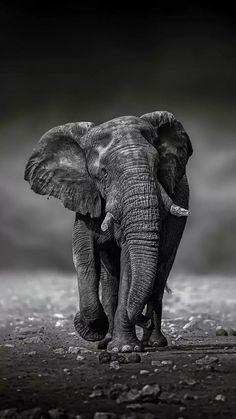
column 173, row 145
column 58, row 168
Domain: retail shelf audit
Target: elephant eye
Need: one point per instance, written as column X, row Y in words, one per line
column 101, row 175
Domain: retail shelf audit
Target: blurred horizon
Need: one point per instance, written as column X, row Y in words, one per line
column 81, row 64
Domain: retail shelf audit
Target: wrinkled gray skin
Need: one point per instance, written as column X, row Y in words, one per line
column 117, row 168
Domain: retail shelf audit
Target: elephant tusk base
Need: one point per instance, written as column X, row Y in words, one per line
column 178, row 211
column 107, row 222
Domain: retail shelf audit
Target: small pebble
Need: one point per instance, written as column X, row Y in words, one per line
column 59, row 323
column 116, row 389
column 73, row 350
column 131, row 358
column 231, row 332
column 192, row 325
column 9, row 414
column 96, row 393
column 182, row 408
column 131, row 395
column 220, row 398
column 188, row 396
column 85, row 351
column 144, row 372
column 134, row 406
column 115, row 365
column 167, row 362
column 150, row 393
column 220, row 331
column 59, row 351
column 33, row 339
column 35, row 413
column 207, row 360
column 156, row 363
column 104, row 357
column 58, row 315
column 189, row 382
column 57, row 413
column 80, row 358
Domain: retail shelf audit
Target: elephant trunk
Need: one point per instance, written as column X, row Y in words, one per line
column 141, row 224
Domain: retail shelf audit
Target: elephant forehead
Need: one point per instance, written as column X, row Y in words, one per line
column 119, row 129
column 124, row 120
column 125, row 123
column 117, row 135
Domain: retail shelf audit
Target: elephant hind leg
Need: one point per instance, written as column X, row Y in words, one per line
column 157, row 338
column 109, row 287
column 171, row 234
column 148, row 331
column 154, row 336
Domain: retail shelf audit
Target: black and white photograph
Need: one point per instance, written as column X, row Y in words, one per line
column 118, row 211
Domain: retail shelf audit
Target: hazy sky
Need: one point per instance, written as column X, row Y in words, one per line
column 60, row 66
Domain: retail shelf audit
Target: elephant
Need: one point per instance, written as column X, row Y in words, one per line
column 123, row 179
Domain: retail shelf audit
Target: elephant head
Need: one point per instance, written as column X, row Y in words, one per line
column 120, row 163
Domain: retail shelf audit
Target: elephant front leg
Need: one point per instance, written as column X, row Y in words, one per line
column 124, row 337
column 91, row 321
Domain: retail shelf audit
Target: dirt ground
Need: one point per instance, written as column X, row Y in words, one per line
column 196, row 372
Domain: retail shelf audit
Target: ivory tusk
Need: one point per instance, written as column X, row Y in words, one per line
column 178, row 211
column 107, row 222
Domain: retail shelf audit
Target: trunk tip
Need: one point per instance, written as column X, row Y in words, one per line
column 133, row 315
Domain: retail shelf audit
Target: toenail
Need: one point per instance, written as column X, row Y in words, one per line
column 114, row 350
column 126, row 348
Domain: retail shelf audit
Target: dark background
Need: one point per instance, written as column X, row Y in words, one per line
column 91, row 63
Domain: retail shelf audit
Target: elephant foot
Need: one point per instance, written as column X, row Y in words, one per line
column 91, row 329
column 104, row 342
column 157, row 340
column 124, row 343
